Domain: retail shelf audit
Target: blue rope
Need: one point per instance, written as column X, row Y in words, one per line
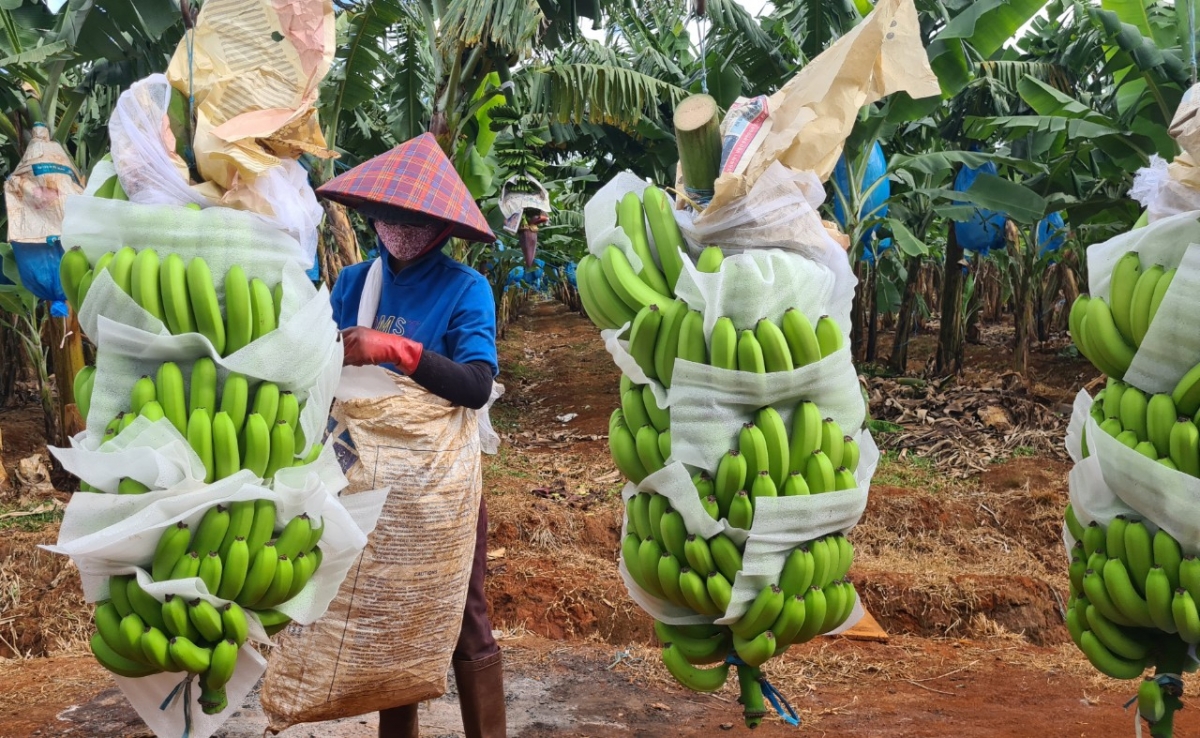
column 773, row 695
column 186, row 687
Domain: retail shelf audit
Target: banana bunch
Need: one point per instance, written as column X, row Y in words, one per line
column 181, row 295
column 813, row 595
column 1133, row 597
column 1110, row 333
column 1162, row 427
column 767, row 458
column 260, row 431
column 241, row 557
column 663, row 328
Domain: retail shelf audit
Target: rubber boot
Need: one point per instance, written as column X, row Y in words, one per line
column 399, row 722
column 481, row 696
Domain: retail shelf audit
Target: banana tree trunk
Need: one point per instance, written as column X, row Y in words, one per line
column 858, row 311
column 950, row 338
column 66, row 350
column 872, row 298
column 898, row 362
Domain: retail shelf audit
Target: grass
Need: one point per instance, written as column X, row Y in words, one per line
column 910, row 472
column 28, row 523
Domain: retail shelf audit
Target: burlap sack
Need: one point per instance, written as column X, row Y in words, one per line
column 388, row 636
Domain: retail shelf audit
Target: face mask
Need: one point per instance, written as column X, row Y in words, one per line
column 407, row 242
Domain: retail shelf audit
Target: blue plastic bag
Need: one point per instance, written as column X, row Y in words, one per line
column 985, row 230
column 1051, row 233
column 876, row 170
column 38, row 263
column 872, row 250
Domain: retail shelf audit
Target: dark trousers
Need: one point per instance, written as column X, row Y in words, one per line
column 475, row 641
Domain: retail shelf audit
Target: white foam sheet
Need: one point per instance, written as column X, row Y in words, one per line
column 1171, row 344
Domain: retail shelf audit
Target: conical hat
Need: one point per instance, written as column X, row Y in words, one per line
column 413, row 178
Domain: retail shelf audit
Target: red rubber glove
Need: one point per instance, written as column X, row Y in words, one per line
column 364, row 346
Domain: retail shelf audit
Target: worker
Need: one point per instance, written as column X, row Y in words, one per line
column 435, row 322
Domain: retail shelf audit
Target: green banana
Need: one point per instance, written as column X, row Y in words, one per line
column 724, row 344
column 829, row 335
column 71, row 268
column 1115, row 353
column 206, row 309
column 807, row 427
column 146, row 606
column 210, row 571
column 1139, row 552
column 234, row 624
column 814, row 615
column 643, row 337
column 1159, row 593
column 691, row 338
column 667, row 575
column 629, row 287
column 666, row 347
column 283, row 451
column 750, row 353
column 121, row 268
column 1151, row 705
column 695, row 679
column 222, row 664
column 177, row 306
column 239, row 323
column 144, row 283
column 777, row 357
column 172, row 544
column 797, row 574
column 210, row 531
column 710, row 259
column 593, row 289
column 753, row 447
column 698, row 555
column 648, row 451
column 190, row 657
column 1160, row 419
column 762, row 612
column 1139, row 307
column 719, row 589
column 668, row 241
column 741, row 511
column 114, row 662
column 659, row 418
column 1187, row 620
column 281, row 584
column 1121, row 592
column 1187, row 393
column 757, row 650
column 1134, row 407
column 726, row 555
column 631, row 219
column 187, row 567
column 1168, row 556
column 819, row 473
column 264, row 314
column 731, row 477
column 1106, row 661
column 775, row 435
column 294, row 537
column 795, row 485
column 674, row 534
column 263, row 527
column 156, row 648
column 801, row 338
column 695, row 592
column 762, row 487
column 658, row 508
column 169, row 389
column 1121, row 288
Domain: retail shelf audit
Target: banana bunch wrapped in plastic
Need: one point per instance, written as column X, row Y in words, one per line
column 689, row 551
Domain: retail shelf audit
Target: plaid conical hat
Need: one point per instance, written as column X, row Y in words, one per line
column 415, row 178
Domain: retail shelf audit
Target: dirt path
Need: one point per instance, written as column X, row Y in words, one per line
column 966, row 575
